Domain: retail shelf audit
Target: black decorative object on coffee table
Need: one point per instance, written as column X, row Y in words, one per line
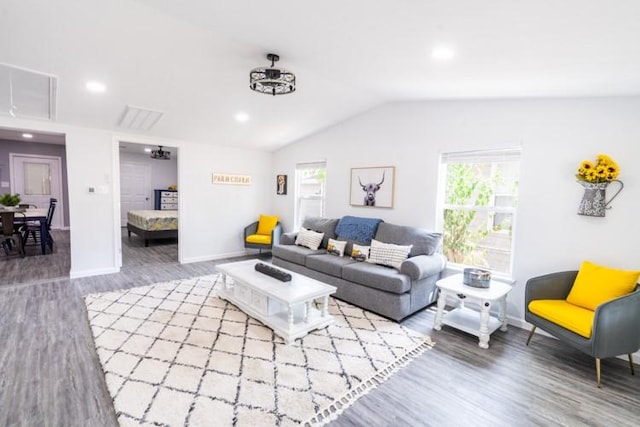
column 283, row 276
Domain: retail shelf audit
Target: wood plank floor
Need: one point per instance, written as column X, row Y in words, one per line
column 50, row 374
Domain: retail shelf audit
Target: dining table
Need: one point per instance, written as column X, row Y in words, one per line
column 31, row 215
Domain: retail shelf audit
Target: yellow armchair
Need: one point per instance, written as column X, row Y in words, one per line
column 595, row 310
column 263, row 234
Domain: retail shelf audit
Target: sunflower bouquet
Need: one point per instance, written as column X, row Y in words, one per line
column 604, row 170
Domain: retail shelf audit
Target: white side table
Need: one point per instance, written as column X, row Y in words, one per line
column 481, row 324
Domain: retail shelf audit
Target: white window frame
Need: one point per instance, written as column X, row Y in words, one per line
column 477, row 156
column 322, row 197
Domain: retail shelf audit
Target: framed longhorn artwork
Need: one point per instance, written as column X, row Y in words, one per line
column 372, row 187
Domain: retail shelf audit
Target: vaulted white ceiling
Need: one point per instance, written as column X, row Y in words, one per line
column 191, row 59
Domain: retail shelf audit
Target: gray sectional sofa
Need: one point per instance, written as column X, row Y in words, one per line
column 383, row 290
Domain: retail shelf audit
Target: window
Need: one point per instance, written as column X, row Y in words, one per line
column 310, row 191
column 477, row 210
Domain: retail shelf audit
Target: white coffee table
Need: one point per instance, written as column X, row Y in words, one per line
column 285, row 307
column 481, row 324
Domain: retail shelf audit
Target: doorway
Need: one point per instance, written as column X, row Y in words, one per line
column 37, row 179
column 145, row 182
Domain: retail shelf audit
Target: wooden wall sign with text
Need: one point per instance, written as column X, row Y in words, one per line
column 230, row 179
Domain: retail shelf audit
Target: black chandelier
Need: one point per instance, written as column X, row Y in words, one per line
column 160, row 154
column 272, row 81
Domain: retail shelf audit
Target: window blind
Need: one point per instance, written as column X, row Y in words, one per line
column 311, row 165
column 511, row 154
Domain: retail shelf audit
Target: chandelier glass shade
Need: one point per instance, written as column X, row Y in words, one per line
column 272, row 80
column 160, row 154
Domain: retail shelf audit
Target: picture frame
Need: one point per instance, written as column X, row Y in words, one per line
column 281, row 185
column 372, row 186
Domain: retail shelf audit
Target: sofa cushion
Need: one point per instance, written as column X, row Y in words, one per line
column 336, row 247
column 328, row 264
column 424, row 242
column 576, row 319
column 376, row 276
column 295, row 254
column 322, row 225
column 309, row 239
column 596, row 284
column 388, row 254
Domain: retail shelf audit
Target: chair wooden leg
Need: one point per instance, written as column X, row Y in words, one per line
column 598, row 371
column 631, row 364
column 531, row 334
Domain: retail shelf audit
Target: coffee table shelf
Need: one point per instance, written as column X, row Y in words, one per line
column 286, row 307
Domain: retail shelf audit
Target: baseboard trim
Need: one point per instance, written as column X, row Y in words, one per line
column 213, row 257
column 95, row 272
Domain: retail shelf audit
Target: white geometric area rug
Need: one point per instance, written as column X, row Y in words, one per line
column 174, row 354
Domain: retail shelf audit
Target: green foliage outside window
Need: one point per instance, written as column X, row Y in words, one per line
column 466, row 186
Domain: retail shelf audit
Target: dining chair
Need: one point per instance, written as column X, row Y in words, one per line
column 32, row 228
column 10, row 235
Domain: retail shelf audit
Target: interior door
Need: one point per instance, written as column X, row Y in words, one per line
column 37, row 179
column 135, row 188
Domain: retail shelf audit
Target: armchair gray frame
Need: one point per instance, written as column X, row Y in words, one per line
column 615, row 324
column 253, row 228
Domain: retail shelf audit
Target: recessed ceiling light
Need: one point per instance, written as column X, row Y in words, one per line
column 27, row 135
column 241, row 117
column 443, row 53
column 96, row 87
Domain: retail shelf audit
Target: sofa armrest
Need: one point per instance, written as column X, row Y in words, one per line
column 288, row 238
column 250, row 229
column 549, row 286
column 421, row 266
column 615, row 326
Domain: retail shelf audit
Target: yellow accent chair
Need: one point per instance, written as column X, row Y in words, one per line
column 263, row 234
column 596, row 310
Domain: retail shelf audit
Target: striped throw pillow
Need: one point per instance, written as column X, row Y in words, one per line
column 388, row 254
column 309, row 239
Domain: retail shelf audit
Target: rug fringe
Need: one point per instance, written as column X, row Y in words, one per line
column 331, row 412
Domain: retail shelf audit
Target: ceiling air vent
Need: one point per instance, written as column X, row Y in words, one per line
column 138, row 118
column 27, row 93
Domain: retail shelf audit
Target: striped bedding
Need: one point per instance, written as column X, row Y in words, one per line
column 154, row 220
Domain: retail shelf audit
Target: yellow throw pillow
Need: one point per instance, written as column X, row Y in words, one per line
column 266, row 224
column 596, row 284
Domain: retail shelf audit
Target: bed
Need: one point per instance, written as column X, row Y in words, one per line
column 152, row 225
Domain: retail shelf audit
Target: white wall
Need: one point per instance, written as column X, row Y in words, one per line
column 556, row 134
column 211, row 217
